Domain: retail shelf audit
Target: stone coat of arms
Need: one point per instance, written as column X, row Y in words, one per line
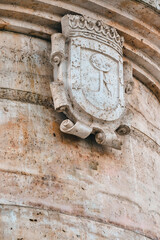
column 88, row 81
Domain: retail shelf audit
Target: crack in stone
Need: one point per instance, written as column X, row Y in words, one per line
column 122, row 198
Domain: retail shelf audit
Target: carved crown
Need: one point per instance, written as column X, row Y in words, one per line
column 76, row 25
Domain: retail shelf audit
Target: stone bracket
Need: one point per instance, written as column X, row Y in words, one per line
column 128, row 77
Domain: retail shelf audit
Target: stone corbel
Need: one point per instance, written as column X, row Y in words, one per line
column 79, row 129
column 57, row 60
column 128, row 77
column 108, row 138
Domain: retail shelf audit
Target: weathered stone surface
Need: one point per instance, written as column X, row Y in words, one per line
column 41, row 167
column 25, row 63
column 55, row 186
column 145, row 111
column 51, row 225
column 136, row 21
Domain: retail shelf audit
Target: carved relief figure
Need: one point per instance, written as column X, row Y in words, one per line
column 88, row 79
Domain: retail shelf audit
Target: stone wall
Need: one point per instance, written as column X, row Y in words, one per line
column 55, row 186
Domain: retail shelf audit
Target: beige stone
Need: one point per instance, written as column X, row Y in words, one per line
column 55, row 186
column 52, row 225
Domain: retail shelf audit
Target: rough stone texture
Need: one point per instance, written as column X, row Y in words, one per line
column 55, row 186
column 42, row 168
column 24, row 63
column 52, row 225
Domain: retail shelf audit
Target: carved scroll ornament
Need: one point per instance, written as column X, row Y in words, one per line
column 88, row 81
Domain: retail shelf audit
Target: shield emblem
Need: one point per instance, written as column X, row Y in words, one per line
column 88, row 78
column 95, row 81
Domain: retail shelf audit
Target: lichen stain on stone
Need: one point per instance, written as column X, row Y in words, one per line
column 3, row 24
column 125, row 4
column 18, row 126
column 24, row 128
column 94, row 165
column 64, row 138
column 55, row 130
column 9, row 126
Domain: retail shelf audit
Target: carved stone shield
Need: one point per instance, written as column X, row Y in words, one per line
column 96, row 78
column 88, row 78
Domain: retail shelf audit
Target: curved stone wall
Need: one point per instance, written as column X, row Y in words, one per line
column 55, row 186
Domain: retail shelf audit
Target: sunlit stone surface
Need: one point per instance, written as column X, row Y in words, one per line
column 56, row 186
